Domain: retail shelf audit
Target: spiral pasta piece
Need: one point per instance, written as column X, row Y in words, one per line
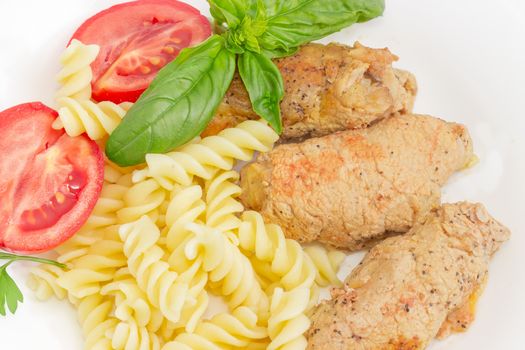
column 94, row 316
column 114, row 174
column 281, row 258
column 152, row 273
column 43, row 281
column 186, row 206
column 117, row 182
column 287, row 322
column 205, row 157
column 327, row 263
column 221, row 206
column 230, row 271
column 76, row 75
column 143, row 198
column 130, row 301
column 128, row 335
column 104, row 213
column 97, row 267
column 238, row 330
column 97, row 120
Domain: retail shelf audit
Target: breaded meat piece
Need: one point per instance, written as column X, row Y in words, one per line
column 353, row 188
column 409, row 287
column 328, row 88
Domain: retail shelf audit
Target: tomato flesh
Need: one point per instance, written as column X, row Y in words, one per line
column 136, row 40
column 49, row 182
column 64, row 199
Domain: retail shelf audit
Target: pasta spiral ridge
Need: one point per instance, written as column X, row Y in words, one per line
column 76, row 75
column 153, row 274
column 287, row 322
column 129, row 335
column 43, row 279
column 186, row 206
column 205, row 157
column 221, row 206
column 97, row 267
column 117, row 182
column 327, row 263
column 238, row 330
column 131, row 302
column 138, row 321
column 94, row 314
column 109, row 203
column 229, row 270
column 281, row 258
column 97, row 120
column 143, row 198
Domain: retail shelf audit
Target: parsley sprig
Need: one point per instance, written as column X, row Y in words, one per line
column 10, row 294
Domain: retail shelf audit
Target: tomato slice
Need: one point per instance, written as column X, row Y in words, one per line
column 136, row 39
column 49, row 181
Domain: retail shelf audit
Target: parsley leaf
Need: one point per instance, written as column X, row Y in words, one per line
column 10, row 294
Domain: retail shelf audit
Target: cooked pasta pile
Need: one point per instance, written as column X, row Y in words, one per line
column 163, row 238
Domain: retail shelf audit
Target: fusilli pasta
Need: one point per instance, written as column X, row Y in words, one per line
column 76, row 75
column 97, row 120
column 221, row 206
column 43, row 278
column 161, row 238
column 128, row 335
column 186, row 206
column 287, row 322
column 327, row 263
column 274, row 253
column 238, row 330
column 97, row 267
column 145, row 261
column 94, row 316
column 229, row 270
column 117, row 183
column 143, row 198
column 205, row 157
column 43, row 281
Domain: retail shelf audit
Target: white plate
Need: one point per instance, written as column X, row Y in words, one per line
column 469, row 60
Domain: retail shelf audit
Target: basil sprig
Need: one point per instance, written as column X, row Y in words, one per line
column 186, row 93
column 178, row 104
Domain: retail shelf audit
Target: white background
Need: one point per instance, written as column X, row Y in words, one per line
column 469, row 59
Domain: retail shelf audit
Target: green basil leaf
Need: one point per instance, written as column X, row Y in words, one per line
column 265, row 86
column 231, row 12
column 292, row 23
column 177, row 106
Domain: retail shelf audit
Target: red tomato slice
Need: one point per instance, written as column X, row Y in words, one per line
column 49, row 182
column 136, row 39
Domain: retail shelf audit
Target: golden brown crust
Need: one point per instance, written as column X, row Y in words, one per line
column 402, row 292
column 328, row 88
column 353, row 188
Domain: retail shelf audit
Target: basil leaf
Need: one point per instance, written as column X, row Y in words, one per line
column 264, row 84
column 228, row 11
column 232, row 12
column 292, row 23
column 177, row 106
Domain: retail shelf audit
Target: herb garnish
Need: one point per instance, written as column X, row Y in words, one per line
column 186, row 93
column 10, row 294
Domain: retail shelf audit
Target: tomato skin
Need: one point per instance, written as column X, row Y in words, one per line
column 37, row 160
column 137, row 39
